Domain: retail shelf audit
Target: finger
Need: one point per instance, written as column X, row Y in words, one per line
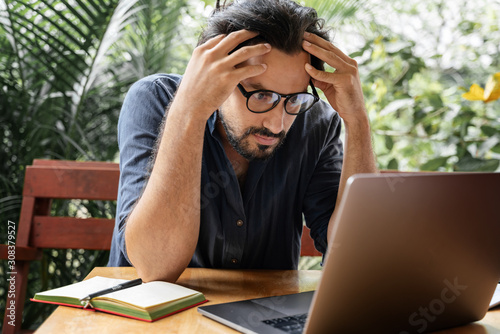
column 339, row 80
column 321, row 76
column 323, row 43
column 248, row 52
column 331, row 58
column 234, row 39
column 320, row 84
column 336, row 79
column 244, row 72
column 212, row 41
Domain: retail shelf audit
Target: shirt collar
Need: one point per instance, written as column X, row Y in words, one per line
column 212, row 121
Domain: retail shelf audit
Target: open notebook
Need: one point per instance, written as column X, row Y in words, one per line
column 148, row 301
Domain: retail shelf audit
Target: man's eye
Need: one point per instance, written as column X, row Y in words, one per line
column 297, row 100
column 294, row 100
column 263, row 97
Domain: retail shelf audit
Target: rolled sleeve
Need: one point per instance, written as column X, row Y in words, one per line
column 138, row 129
column 322, row 190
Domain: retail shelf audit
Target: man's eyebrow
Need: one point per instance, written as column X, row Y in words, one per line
column 255, row 86
column 258, row 86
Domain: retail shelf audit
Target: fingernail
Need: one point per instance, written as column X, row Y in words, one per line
column 306, row 43
column 309, row 67
column 265, row 66
column 307, row 34
column 267, row 45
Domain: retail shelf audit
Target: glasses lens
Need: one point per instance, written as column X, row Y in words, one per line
column 299, row 103
column 262, row 101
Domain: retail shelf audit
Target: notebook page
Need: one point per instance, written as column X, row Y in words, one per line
column 84, row 288
column 151, row 294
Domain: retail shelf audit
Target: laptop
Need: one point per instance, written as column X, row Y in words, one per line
column 408, row 253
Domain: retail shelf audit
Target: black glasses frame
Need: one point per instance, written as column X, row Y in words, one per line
column 247, row 95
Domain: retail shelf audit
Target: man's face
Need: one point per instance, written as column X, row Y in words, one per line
column 256, row 136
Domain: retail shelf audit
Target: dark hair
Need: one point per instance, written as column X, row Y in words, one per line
column 281, row 23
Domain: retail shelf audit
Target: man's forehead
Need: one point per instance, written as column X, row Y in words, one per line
column 279, row 55
column 285, row 72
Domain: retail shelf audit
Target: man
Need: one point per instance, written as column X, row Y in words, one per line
column 243, row 150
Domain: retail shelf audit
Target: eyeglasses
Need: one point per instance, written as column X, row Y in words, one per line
column 263, row 100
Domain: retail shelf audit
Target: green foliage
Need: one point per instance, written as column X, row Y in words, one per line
column 335, row 12
column 310, row 263
column 418, row 117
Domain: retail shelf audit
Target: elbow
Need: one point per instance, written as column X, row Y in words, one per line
column 151, row 267
column 153, row 263
column 148, row 274
column 157, row 268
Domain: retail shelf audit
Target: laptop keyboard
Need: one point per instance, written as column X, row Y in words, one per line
column 291, row 324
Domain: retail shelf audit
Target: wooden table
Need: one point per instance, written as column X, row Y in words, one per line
column 218, row 286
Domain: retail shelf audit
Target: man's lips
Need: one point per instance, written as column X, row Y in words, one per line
column 264, row 140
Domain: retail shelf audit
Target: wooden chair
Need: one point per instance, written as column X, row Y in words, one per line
column 307, row 244
column 44, row 181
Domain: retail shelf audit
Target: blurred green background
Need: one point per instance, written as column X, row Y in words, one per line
column 65, row 66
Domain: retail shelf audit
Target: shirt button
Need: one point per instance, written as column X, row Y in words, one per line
column 239, row 223
column 234, row 261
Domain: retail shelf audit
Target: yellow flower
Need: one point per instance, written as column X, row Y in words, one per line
column 492, row 89
column 490, row 93
column 475, row 93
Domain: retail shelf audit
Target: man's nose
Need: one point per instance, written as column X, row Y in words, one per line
column 275, row 118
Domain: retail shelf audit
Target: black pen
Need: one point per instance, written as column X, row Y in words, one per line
column 118, row 287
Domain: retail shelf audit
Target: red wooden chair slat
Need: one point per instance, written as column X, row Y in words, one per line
column 85, row 233
column 79, row 164
column 93, row 183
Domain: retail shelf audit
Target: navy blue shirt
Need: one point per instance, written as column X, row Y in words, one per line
column 258, row 226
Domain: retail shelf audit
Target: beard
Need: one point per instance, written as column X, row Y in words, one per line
column 242, row 145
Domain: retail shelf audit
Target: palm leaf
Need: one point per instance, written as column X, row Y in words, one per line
column 336, row 11
column 151, row 41
column 62, row 45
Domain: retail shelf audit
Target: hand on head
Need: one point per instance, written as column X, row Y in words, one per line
column 212, row 75
column 342, row 88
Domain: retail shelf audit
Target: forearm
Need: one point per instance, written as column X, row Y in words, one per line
column 162, row 231
column 358, row 156
column 358, row 152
